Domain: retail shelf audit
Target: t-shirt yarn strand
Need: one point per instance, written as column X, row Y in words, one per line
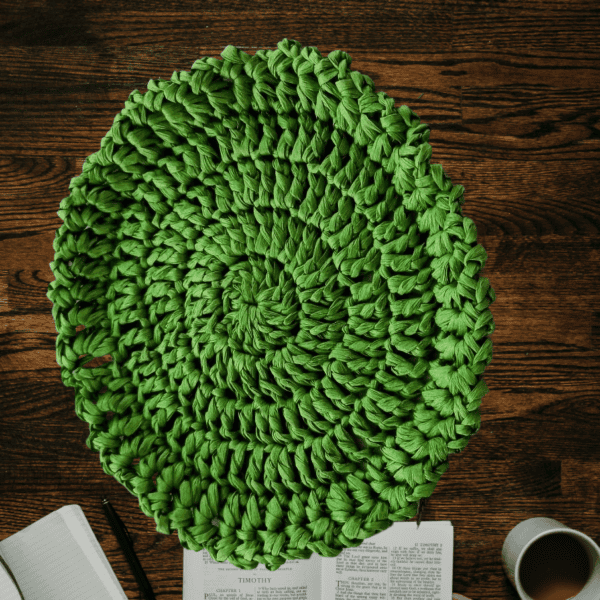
column 290, row 299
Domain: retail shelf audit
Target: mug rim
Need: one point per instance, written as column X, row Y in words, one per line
column 564, row 529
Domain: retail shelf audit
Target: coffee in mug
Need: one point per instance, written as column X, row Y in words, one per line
column 545, row 560
column 555, row 567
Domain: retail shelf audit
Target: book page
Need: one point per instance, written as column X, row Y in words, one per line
column 400, row 562
column 207, row 579
column 81, row 531
column 50, row 564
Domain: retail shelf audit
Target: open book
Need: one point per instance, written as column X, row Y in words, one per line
column 400, row 562
column 57, row 558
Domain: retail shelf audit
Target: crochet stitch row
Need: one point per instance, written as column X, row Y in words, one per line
column 291, row 299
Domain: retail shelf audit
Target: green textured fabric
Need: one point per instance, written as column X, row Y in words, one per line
column 291, row 300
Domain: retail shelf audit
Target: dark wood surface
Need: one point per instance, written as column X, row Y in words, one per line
column 511, row 91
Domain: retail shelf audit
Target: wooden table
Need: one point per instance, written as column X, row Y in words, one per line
column 512, row 96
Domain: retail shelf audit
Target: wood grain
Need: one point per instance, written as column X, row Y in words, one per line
column 511, row 91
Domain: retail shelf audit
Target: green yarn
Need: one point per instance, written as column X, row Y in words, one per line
column 291, row 299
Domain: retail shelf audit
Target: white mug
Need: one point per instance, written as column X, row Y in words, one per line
column 524, row 535
column 9, row 590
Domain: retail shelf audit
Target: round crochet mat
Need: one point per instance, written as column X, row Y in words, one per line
column 284, row 302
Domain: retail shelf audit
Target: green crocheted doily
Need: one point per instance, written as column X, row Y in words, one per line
column 291, row 299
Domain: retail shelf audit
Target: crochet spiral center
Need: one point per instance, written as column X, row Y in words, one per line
column 290, row 299
column 260, row 308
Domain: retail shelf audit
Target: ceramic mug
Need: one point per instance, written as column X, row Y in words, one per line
column 547, row 559
column 9, row 590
